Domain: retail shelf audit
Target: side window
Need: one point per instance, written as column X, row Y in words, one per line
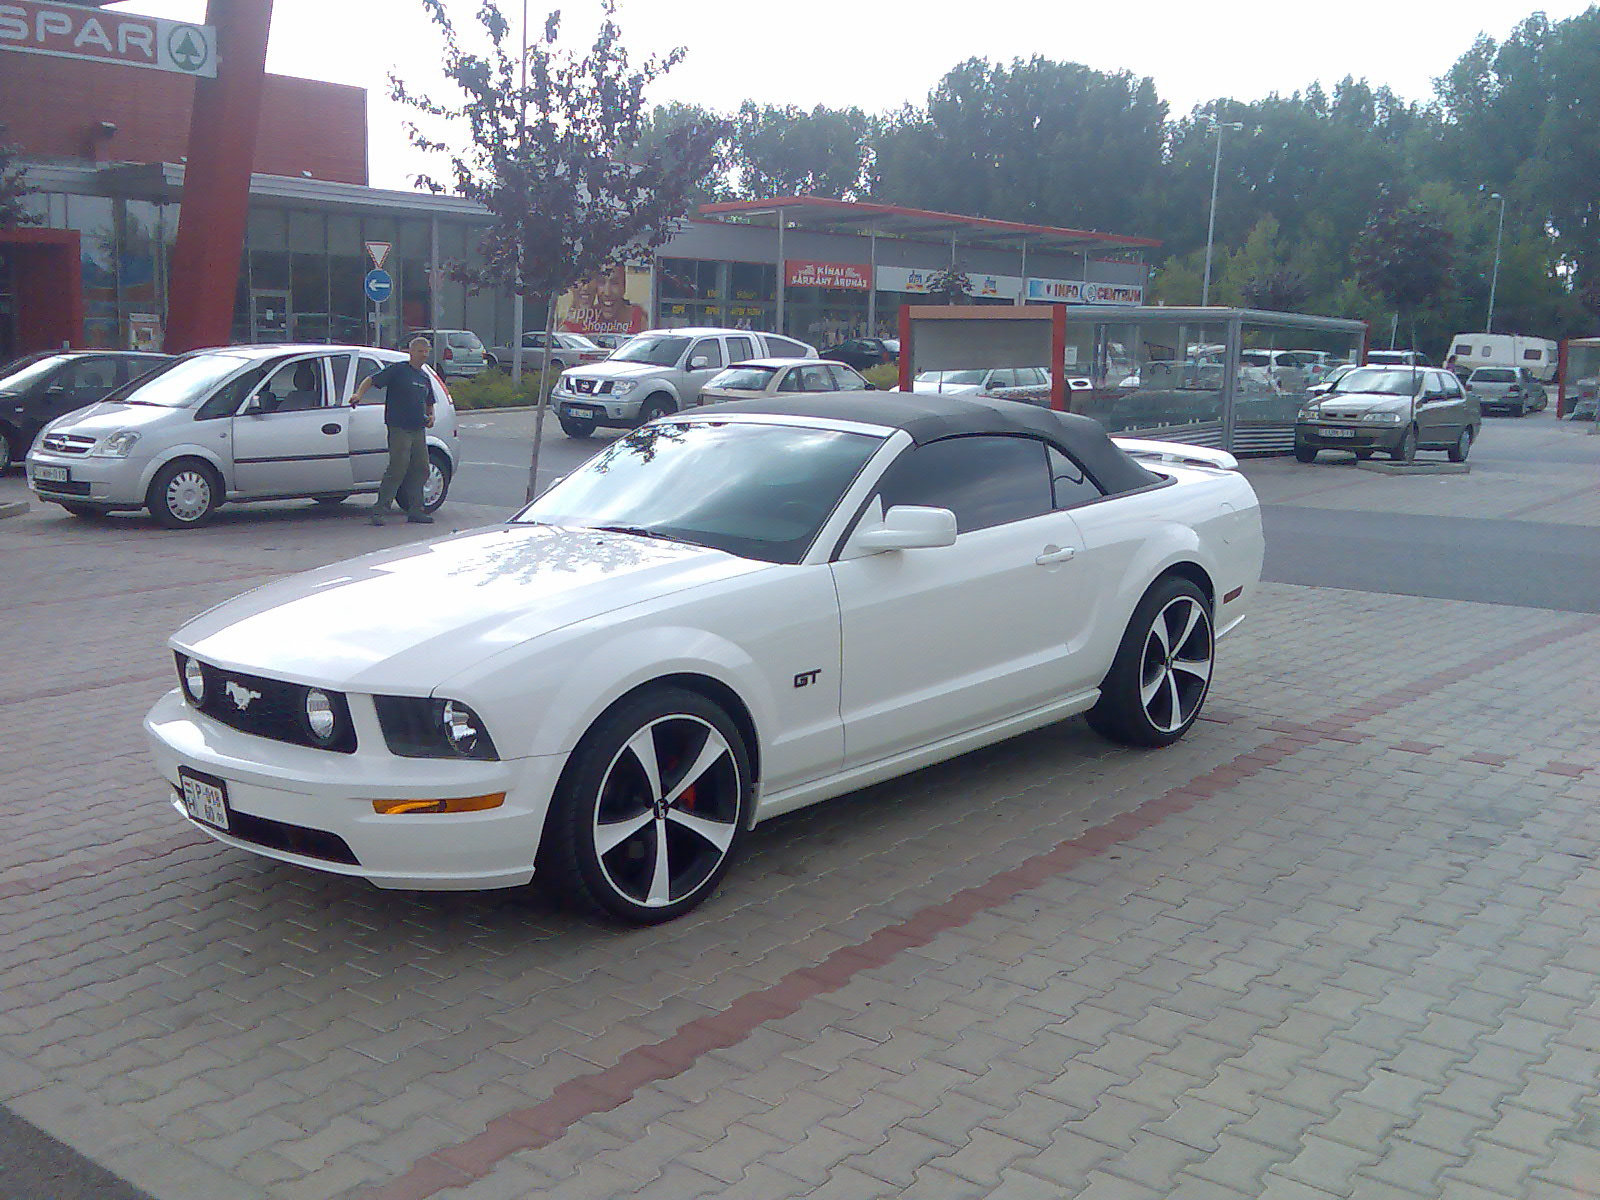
column 296, row 386
column 225, row 401
column 1069, row 483
column 847, row 380
column 740, row 348
column 814, row 379
column 782, row 347
column 709, row 349
column 365, row 369
column 791, row 381
column 90, row 374
column 339, row 374
column 984, row 480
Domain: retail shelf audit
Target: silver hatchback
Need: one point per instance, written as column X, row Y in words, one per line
column 236, row 424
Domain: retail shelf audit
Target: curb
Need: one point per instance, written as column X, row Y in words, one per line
column 12, row 508
column 1416, row 468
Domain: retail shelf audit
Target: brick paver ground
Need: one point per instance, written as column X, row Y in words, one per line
column 1335, row 943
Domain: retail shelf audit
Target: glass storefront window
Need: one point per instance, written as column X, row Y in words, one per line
column 309, row 298
column 1164, row 380
column 95, row 220
column 689, row 278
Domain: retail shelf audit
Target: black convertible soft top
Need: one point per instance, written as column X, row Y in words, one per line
column 927, row 418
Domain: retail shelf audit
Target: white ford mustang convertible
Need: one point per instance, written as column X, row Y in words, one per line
column 723, row 616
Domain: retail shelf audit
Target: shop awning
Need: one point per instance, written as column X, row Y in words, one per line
column 892, row 220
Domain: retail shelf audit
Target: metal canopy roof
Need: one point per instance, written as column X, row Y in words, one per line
column 859, row 217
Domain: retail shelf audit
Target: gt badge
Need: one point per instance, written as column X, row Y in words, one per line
column 806, row 678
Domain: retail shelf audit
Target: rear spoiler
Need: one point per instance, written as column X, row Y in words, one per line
column 1178, row 453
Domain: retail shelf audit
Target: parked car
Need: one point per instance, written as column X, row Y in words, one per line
column 41, row 387
column 972, row 382
column 656, row 373
column 1398, row 410
column 723, row 616
column 566, row 350
column 1397, row 358
column 1512, row 390
column 780, row 377
column 457, row 353
column 1540, row 356
column 268, row 422
column 864, row 353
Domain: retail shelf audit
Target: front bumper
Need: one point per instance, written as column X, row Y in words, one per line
column 601, row 409
column 103, row 482
column 1348, row 435
column 308, row 807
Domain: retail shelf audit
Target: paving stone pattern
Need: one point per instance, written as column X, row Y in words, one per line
column 1336, row 943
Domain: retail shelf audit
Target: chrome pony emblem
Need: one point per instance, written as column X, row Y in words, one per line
column 240, row 695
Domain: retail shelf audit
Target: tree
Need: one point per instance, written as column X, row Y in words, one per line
column 790, row 152
column 950, row 286
column 1404, row 255
column 13, row 187
column 554, row 153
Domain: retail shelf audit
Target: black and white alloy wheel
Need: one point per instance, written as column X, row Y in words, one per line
column 650, row 809
column 1162, row 671
column 183, row 495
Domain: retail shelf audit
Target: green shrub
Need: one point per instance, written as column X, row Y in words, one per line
column 495, row 389
column 883, row 376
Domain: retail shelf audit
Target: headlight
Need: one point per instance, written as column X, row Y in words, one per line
column 422, row 727
column 1384, row 418
column 321, row 718
column 622, row 387
column 193, row 680
column 117, row 445
column 1310, row 412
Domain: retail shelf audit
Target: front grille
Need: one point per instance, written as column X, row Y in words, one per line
column 271, row 708
column 60, row 487
column 67, row 443
column 295, row 839
column 584, row 387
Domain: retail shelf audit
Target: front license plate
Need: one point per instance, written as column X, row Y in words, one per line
column 1338, row 432
column 52, row 474
column 205, row 798
column 583, row 411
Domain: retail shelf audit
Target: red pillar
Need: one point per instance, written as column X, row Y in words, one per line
column 216, row 182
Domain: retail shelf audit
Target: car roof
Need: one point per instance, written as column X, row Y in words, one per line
column 929, row 417
column 704, row 331
column 785, row 362
column 274, row 349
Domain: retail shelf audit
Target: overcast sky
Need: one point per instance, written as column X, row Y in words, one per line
column 880, row 54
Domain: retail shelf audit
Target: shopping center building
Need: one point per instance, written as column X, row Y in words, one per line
column 104, row 139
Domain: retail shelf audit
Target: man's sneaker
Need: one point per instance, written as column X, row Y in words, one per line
column 419, row 519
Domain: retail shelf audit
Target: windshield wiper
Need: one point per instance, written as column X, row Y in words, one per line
column 637, row 531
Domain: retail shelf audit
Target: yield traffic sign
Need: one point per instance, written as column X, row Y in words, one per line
column 378, row 252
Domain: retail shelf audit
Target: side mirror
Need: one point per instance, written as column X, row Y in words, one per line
column 699, row 363
column 910, row 527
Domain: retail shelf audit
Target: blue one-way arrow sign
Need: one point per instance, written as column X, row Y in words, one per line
column 379, row 285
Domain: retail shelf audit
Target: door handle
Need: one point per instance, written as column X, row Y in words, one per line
column 1055, row 554
column 332, row 427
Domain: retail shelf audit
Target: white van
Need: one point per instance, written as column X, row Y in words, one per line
column 1473, row 350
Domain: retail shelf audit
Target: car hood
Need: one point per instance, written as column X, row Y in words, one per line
column 408, row 618
column 611, row 369
column 108, row 416
column 1363, row 402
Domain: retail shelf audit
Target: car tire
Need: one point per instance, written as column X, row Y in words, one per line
column 184, row 494
column 1305, row 454
column 437, row 484
column 1406, row 451
column 650, row 809
column 9, row 453
column 491, row 363
column 655, row 406
column 574, row 428
column 1144, row 701
column 1463, row 446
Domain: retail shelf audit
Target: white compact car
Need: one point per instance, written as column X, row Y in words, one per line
column 241, row 423
column 723, row 616
column 762, row 377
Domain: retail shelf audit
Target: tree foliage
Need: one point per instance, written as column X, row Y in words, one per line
column 557, row 161
column 13, row 188
column 790, row 152
column 1403, row 255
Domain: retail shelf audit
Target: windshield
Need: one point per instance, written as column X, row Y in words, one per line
column 1383, row 381
column 658, row 351
column 950, row 376
column 31, row 373
column 755, row 490
column 181, row 383
column 748, row 379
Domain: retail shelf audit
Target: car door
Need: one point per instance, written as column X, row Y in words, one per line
column 1438, row 412
column 292, row 438
column 940, row 641
column 704, row 360
column 369, row 436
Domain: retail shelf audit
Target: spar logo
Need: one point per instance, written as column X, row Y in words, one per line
column 188, row 47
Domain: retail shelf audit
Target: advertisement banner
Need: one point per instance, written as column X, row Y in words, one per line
column 849, row 276
column 915, row 280
column 73, row 31
column 1057, row 291
column 614, row 301
column 1075, row 291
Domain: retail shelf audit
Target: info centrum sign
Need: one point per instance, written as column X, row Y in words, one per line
column 72, row 31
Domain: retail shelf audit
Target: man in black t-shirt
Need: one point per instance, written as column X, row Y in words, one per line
column 408, row 413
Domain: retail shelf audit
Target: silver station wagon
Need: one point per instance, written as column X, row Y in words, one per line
column 236, row 424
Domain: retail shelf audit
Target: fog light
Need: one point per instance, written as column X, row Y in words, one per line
column 320, row 717
column 194, row 682
column 453, row 804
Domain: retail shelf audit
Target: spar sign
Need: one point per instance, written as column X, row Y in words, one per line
column 72, row 31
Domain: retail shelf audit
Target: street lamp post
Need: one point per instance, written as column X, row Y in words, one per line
column 1494, row 278
column 1211, row 225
